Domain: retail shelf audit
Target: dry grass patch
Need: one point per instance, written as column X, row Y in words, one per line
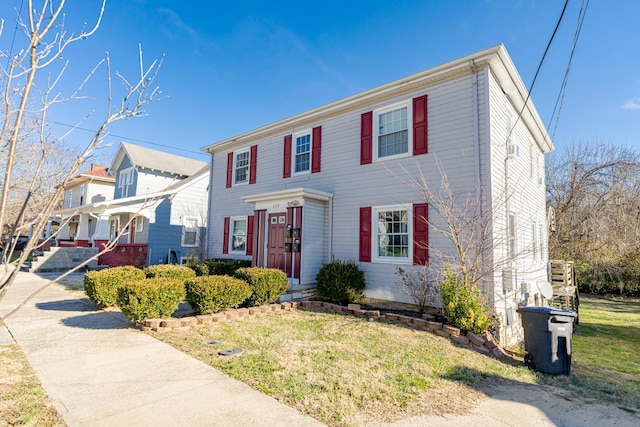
column 22, row 400
column 343, row 370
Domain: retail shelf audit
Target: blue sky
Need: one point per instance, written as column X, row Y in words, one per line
column 233, row 66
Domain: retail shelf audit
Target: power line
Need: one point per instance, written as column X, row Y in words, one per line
column 560, row 99
column 535, row 77
column 133, row 139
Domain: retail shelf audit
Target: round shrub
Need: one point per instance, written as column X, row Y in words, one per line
column 102, row 286
column 211, row 294
column 150, row 298
column 225, row 266
column 462, row 304
column 341, row 282
column 267, row 284
column 169, row 271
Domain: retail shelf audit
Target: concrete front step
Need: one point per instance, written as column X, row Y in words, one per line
column 63, row 259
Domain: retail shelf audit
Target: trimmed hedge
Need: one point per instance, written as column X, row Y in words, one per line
column 169, row 271
column 200, row 268
column 211, row 294
column 267, row 284
column 341, row 282
column 225, row 266
column 102, row 286
column 151, row 298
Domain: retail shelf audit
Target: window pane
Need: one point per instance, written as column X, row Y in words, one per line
column 242, row 167
column 393, row 235
column 393, row 135
column 239, row 241
column 303, row 153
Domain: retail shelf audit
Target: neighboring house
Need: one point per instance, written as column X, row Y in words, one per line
column 159, row 201
column 333, row 181
column 88, row 187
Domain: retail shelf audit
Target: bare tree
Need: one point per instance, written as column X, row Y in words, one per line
column 25, row 107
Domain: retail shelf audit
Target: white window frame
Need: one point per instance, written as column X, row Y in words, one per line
column 235, row 166
column 376, row 130
column 294, row 154
column 375, row 241
column 125, row 180
column 185, row 225
column 114, row 227
column 139, row 223
column 232, row 221
column 70, row 201
column 83, row 192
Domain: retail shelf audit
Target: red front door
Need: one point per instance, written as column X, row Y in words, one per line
column 275, row 244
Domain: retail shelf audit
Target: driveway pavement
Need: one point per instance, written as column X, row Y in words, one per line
column 99, row 371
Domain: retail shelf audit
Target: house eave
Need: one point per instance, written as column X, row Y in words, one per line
column 293, row 193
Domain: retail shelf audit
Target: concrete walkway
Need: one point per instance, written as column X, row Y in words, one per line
column 99, row 371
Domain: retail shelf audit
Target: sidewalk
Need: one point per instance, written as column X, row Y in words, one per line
column 100, row 371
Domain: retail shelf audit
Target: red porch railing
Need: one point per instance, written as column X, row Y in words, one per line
column 124, row 254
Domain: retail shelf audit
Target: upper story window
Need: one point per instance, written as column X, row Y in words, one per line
column 125, row 181
column 241, row 167
column 393, row 133
column 302, row 158
column 70, row 201
column 83, row 190
column 512, row 238
column 392, row 230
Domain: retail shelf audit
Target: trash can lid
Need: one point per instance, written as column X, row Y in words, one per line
column 550, row 311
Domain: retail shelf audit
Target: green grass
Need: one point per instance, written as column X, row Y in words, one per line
column 22, row 399
column 346, row 371
column 606, row 353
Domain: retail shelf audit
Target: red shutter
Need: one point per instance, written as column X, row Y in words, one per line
column 253, row 162
column 365, row 234
column 316, row 150
column 366, row 138
column 420, row 234
column 229, row 169
column 249, row 244
column 420, row 131
column 225, row 238
column 286, row 166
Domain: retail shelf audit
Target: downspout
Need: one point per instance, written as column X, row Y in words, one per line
column 476, row 136
column 330, row 231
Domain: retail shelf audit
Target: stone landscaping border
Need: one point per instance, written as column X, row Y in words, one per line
column 484, row 344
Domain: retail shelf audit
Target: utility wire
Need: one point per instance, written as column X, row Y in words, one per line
column 535, row 77
column 133, row 139
column 560, row 99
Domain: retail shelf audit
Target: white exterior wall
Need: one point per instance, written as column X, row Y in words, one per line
column 315, row 227
column 152, row 181
column 524, row 196
column 98, row 191
column 452, row 148
column 191, row 202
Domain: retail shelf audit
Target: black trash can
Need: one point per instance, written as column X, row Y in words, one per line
column 547, row 338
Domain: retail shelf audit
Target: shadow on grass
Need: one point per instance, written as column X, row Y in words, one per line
column 556, row 401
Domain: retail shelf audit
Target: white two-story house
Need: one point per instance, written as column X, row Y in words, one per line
column 340, row 181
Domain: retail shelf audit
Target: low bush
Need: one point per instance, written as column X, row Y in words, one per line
column 267, row 284
column 225, row 266
column 211, row 294
column 150, row 298
column 341, row 282
column 102, row 286
column 169, row 271
column 462, row 304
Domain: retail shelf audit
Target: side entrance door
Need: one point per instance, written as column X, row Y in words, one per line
column 275, row 244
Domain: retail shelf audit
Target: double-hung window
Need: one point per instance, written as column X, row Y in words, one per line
column 70, row 202
column 511, row 235
column 125, row 180
column 238, row 235
column 190, row 231
column 534, row 241
column 393, row 130
column 393, row 231
column 302, row 158
column 241, row 167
